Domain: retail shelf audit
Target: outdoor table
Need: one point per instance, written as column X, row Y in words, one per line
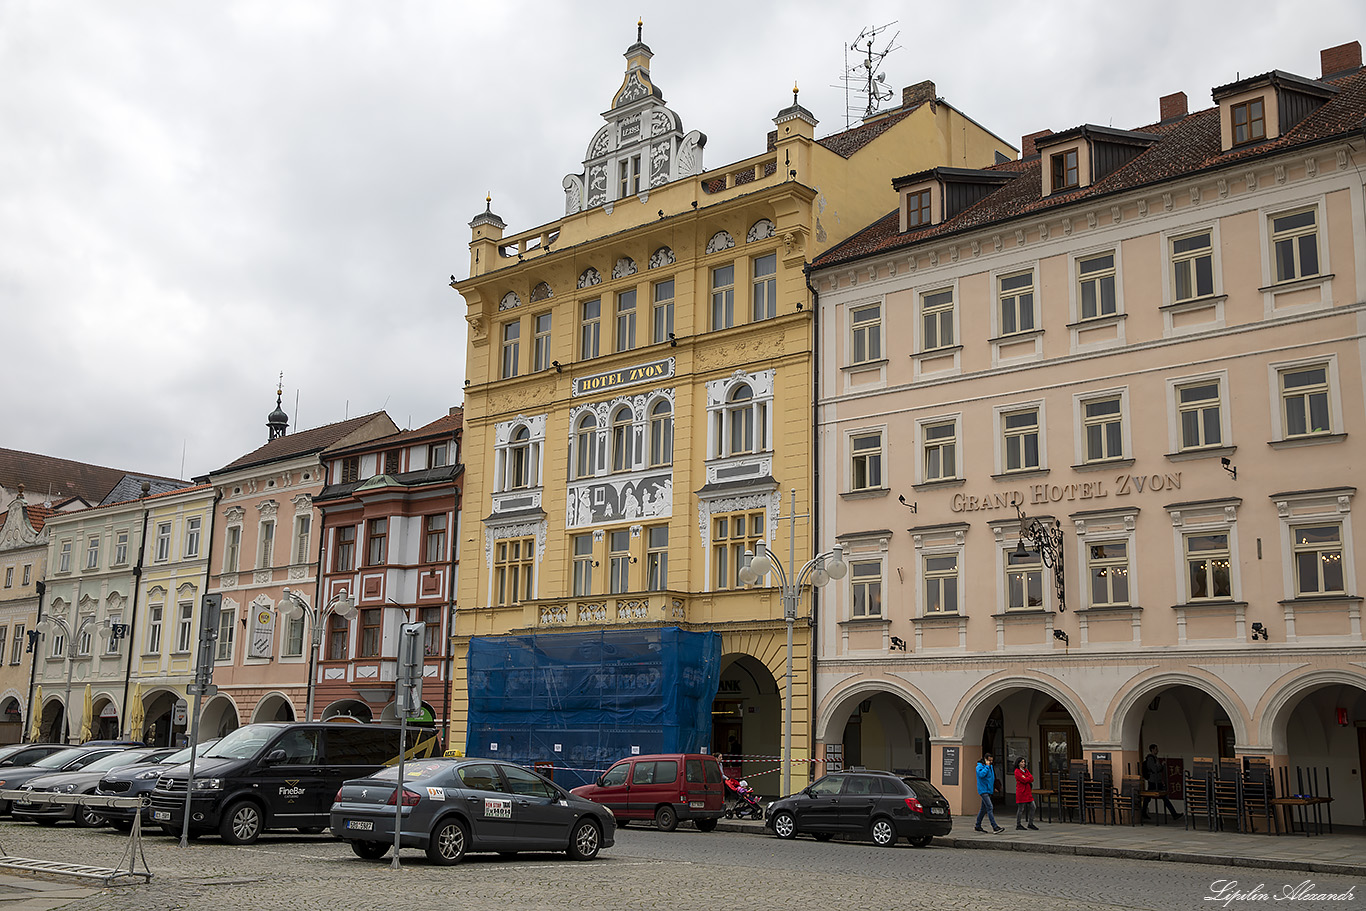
column 1044, row 798
column 1310, row 809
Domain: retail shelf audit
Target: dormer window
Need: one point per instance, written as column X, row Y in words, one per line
column 918, row 208
column 629, row 170
column 1249, row 122
column 1065, row 174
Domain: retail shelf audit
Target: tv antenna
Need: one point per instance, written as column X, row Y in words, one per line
column 864, row 78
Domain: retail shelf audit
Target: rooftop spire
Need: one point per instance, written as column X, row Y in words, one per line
column 278, row 421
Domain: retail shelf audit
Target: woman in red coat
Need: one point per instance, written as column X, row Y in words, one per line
column 1024, row 795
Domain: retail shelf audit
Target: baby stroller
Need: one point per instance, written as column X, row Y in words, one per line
column 741, row 801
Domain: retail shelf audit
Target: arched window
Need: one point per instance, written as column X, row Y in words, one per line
column 520, row 472
column 661, row 434
column 739, row 418
column 585, row 436
column 622, row 455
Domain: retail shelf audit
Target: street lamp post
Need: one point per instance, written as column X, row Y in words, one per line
column 294, row 605
column 55, row 624
column 819, row 570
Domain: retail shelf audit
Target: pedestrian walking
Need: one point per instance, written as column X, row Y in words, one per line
column 1155, row 774
column 1024, row 795
column 986, row 784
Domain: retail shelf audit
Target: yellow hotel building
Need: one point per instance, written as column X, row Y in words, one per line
column 639, row 414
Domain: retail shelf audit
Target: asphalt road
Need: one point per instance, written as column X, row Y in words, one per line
column 648, row 870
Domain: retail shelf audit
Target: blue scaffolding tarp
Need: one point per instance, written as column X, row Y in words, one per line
column 583, row 700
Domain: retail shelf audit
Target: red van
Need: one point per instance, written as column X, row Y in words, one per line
column 665, row 788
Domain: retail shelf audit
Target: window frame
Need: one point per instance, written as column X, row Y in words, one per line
column 92, row 553
column 1064, row 169
column 656, row 558
column 918, row 211
column 1294, row 237
column 865, row 335
column 1207, row 558
column 867, row 577
column 1247, row 107
column 155, row 616
column 64, row 556
column 1281, row 429
column 581, row 556
column 514, row 561
column 722, row 297
column 618, row 561
column 1097, row 278
column 511, row 349
column 162, row 546
column 194, row 526
column 764, row 287
column 590, row 328
column 1108, row 565
column 937, row 577
column 625, row 319
column 224, row 648
column 265, row 541
column 371, row 644
column 1004, row 435
column 1190, row 258
column 925, row 445
column 1200, row 408
column 434, row 537
column 866, row 463
column 303, row 538
column 377, row 541
column 1026, row 570
column 1084, row 422
column 944, row 313
column 661, row 433
column 662, row 311
column 728, row 550
column 1298, row 549
column 184, row 636
column 540, row 341
column 232, row 548
column 344, row 549
column 1014, row 295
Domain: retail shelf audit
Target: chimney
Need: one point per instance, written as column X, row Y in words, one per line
column 917, row 94
column 1027, row 149
column 1344, row 58
column 1172, row 107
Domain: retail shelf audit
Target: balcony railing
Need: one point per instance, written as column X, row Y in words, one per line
column 655, row 607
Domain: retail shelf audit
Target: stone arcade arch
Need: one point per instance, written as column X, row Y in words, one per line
column 347, row 708
column 878, row 726
column 104, row 724
column 273, row 707
column 217, row 717
column 1187, row 714
column 158, row 713
column 1316, row 725
column 747, row 722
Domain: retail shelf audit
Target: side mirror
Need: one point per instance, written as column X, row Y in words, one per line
column 275, row 756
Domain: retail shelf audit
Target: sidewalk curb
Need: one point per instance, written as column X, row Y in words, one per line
column 1169, row 856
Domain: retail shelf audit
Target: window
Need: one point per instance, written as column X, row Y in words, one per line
column 1295, row 245
column 1065, row 170
column 936, row 313
column 376, row 541
column 590, row 329
column 438, row 454
column 28, row 574
column 120, row 550
column 4, row 637
column 866, row 449
column 294, row 638
column 865, row 583
column 626, row 320
column 744, row 423
column 9, row 576
column 303, row 527
column 393, row 460
column 941, row 450
column 513, row 563
column 370, row 632
column 266, row 556
column 227, row 633
column 338, row 632
column 765, row 287
column 583, row 565
column 58, row 646
column 628, row 177
column 657, row 558
column 1017, row 303
column 85, row 641
column 1020, row 439
column 16, row 649
column 64, row 558
column 866, row 329
column 1024, row 579
column 1318, row 560
column 232, row 548
column 184, row 636
column 431, row 632
column 154, row 629
column 661, row 434
column 1103, row 426
column 663, row 315
column 350, row 469
column 344, row 556
column 512, row 347
column 1198, row 412
column 1096, row 286
column 1107, row 565
column 941, row 584
column 1249, row 121
column 540, row 331
column 619, row 561
column 732, row 535
column 111, row 645
column 92, row 554
column 1208, row 567
column 1304, row 397
column 1192, row 266
column 623, row 458
column 585, row 452
column 918, row 208
column 193, row 526
column 434, row 538
column 519, row 470
column 163, row 542
column 723, row 297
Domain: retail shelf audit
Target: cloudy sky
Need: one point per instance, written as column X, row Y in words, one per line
column 198, row 196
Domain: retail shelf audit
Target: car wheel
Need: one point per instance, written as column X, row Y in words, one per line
column 666, row 820
column 370, row 850
column 920, row 841
column 705, row 825
column 784, row 825
column 448, row 842
column 824, row 836
column 87, row 818
column 242, row 823
column 585, row 842
column 883, row 832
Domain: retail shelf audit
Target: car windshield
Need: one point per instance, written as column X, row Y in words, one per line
column 180, row 757
column 115, row 760
column 59, row 759
column 243, row 743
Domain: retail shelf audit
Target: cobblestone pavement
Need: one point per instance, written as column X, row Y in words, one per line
column 646, row 869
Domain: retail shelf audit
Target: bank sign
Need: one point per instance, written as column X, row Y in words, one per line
column 626, row 376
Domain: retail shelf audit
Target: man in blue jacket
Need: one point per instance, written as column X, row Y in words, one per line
column 986, row 783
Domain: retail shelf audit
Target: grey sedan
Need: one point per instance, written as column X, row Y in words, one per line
column 453, row 806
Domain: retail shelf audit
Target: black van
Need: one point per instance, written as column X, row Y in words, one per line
column 277, row 776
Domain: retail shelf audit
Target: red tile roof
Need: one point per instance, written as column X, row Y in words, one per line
column 304, row 442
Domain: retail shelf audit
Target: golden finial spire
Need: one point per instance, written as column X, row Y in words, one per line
column 640, row 28
column 794, row 91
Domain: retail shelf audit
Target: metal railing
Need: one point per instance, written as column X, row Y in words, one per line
column 123, row 873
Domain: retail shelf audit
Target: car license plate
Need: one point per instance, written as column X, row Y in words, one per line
column 360, row 825
column 697, row 804
column 161, row 814
column 936, row 811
